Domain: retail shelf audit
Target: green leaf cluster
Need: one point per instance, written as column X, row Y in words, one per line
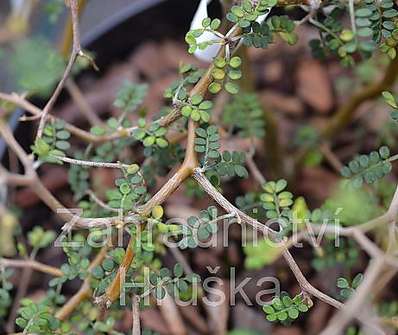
column 40, row 238
column 91, row 209
column 285, row 309
column 230, row 164
column 154, row 135
column 37, row 66
column 166, row 159
column 199, row 228
column 164, row 280
column 226, row 164
column 130, row 190
column 245, row 113
column 276, row 200
column 347, row 288
column 130, row 96
column 284, row 27
column 259, row 36
column 368, row 168
column 110, row 151
column 225, row 73
column 37, row 318
column 375, row 24
column 56, row 135
column 105, row 272
column 248, row 12
column 180, row 88
column 79, row 178
column 78, row 252
column 53, row 143
column 389, row 30
column 208, row 25
column 250, row 204
column 390, row 99
column 207, row 143
column 334, row 39
column 171, row 281
column 197, row 109
column 5, row 291
column 366, row 19
column 329, row 255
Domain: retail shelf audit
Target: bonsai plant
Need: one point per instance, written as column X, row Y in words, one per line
column 116, row 276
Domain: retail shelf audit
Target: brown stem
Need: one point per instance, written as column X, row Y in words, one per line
column 345, row 113
column 304, row 283
column 86, row 136
column 186, row 170
column 167, row 189
column 67, row 39
column 32, row 180
column 172, row 316
column 32, row 264
column 355, row 303
column 136, row 315
column 23, row 285
column 254, row 170
column 227, row 206
column 82, row 294
column 114, row 289
column 330, row 156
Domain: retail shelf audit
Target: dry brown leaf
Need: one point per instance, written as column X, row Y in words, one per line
column 313, row 85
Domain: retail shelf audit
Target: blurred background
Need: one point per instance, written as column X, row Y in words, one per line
column 143, row 41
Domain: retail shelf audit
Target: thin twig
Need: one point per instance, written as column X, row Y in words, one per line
column 253, row 168
column 32, row 264
column 172, row 316
column 81, row 102
column 86, row 136
column 92, row 163
column 224, row 203
column 353, row 306
column 331, row 157
column 352, row 16
column 304, row 284
column 23, row 285
column 227, row 206
column 344, row 114
column 379, row 259
column 76, row 51
column 136, row 315
column 8, row 137
column 100, row 203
